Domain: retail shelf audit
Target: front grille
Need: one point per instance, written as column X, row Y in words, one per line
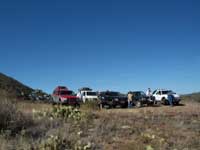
column 72, row 101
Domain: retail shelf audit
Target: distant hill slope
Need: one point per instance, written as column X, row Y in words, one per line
column 12, row 87
column 192, row 97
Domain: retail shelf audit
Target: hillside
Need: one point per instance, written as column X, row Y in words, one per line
column 12, row 87
column 192, row 97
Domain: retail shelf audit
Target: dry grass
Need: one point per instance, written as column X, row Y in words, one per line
column 158, row 128
column 148, row 128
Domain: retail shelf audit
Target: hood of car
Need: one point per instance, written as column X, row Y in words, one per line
column 176, row 95
column 114, row 97
column 91, row 96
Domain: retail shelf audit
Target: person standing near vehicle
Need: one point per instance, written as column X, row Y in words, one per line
column 130, row 99
column 80, row 96
column 170, row 99
column 148, row 93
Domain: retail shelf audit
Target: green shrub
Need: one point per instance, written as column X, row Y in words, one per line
column 52, row 143
column 59, row 143
column 62, row 112
column 66, row 112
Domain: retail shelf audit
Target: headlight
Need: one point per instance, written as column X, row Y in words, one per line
column 64, row 99
column 116, row 99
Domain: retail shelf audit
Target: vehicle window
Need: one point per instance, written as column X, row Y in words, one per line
column 142, row 93
column 158, row 93
column 62, row 87
column 167, row 92
column 136, row 94
column 101, row 94
column 91, row 93
column 113, row 93
column 67, row 93
column 154, row 92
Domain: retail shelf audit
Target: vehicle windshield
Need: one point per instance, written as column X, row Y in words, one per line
column 113, row 93
column 140, row 93
column 67, row 93
column 167, row 92
column 62, row 87
column 154, row 92
column 91, row 93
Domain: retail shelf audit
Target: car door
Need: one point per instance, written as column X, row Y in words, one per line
column 158, row 96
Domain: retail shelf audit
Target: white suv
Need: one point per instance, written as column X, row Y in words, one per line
column 87, row 96
column 161, row 95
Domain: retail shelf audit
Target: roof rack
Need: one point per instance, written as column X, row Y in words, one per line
column 85, row 89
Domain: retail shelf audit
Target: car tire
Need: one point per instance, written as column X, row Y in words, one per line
column 176, row 103
column 158, row 103
column 164, row 101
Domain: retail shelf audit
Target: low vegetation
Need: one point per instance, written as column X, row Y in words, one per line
column 192, row 97
column 12, row 120
column 36, row 126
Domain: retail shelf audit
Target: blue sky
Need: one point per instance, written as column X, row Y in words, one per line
column 109, row 44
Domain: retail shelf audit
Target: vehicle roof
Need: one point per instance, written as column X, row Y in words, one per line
column 163, row 90
column 109, row 92
column 85, row 89
column 61, row 87
column 61, row 90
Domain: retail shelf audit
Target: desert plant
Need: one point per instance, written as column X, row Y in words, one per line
column 62, row 112
column 52, row 143
column 90, row 105
column 12, row 120
column 66, row 112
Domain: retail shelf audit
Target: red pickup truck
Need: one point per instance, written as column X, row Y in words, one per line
column 62, row 95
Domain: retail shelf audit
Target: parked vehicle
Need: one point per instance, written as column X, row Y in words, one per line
column 85, row 96
column 161, row 95
column 62, row 95
column 139, row 99
column 112, row 99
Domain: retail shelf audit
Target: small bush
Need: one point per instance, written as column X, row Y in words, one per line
column 52, row 143
column 58, row 142
column 62, row 112
column 90, row 105
column 12, row 120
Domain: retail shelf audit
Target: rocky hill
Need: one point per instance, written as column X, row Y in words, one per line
column 12, row 87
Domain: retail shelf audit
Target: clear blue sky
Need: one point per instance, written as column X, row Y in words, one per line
column 106, row 44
